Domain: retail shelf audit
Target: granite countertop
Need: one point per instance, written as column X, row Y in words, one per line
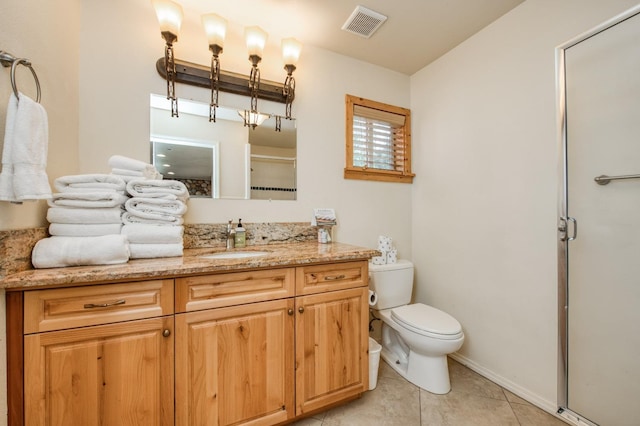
column 279, row 255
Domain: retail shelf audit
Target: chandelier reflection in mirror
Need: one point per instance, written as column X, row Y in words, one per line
column 170, row 16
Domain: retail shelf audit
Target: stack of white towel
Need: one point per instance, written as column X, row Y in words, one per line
column 128, row 168
column 153, row 220
column 85, row 223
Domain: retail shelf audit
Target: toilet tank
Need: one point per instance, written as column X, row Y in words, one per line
column 392, row 283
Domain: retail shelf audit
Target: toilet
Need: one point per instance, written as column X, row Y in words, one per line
column 416, row 338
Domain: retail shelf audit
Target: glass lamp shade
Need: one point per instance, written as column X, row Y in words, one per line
column 252, row 118
column 215, row 26
column 291, row 51
column 256, row 38
column 169, row 15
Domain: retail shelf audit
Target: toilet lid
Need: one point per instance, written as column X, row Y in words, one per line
column 424, row 318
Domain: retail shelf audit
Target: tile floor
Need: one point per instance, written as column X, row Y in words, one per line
column 473, row 401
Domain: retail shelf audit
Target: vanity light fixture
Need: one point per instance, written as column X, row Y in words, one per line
column 215, row 26
column 170, row 17
column 256, row 38
column 290, row 54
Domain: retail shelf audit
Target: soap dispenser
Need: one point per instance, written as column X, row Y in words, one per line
column 240, row 239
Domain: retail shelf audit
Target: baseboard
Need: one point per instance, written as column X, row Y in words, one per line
column 544, row 404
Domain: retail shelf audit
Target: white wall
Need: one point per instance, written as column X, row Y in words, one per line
column 46, row 33
column 117, row 73
column 485, row 194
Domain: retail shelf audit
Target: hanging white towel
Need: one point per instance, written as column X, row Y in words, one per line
column 58, row 252
column 89, row 182
column 6, row 176
column 30, row 147
column 153, row 234
column 84, row 215
column 157, row 188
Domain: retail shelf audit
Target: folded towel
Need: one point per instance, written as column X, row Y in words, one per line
column 127, row 178
column 122, row 162
column 84, row 229
column 84, row 215
column 96, row 199
column 146, row 251
column 152, row 234
column 167, row 220
column 156, row 208
column 157, row 188
column 58, row 252
column 89, row 183
column 145, row 174
column 27, row 135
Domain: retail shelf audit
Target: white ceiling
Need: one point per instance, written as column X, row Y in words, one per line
column 416, row 32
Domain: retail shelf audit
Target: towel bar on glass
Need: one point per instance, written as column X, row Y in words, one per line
column 8, row 60
column 604, row 179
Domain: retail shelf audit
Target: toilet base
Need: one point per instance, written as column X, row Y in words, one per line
column 428, row 373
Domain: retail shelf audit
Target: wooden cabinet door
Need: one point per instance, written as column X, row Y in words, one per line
column 235, row 366
column 111, row 375
column 332, row 346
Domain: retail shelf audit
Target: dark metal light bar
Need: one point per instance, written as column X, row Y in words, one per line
column 230, row 82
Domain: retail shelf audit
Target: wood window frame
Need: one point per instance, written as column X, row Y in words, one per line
column 367, row 173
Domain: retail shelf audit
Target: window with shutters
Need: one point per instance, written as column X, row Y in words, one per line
column 378, row 141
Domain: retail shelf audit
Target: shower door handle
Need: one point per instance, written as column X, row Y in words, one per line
column 564, row 228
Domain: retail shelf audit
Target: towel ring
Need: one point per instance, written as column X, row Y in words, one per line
column 7, row 59
column 27, row 64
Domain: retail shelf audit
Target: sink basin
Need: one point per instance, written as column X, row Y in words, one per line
column 234, row 254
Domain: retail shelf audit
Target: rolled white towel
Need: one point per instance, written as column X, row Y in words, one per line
column 135, row 174
column 84, row 229
column 122, row 162
column 147, row 251
column 59, row 252
column 94, row 199
column 153, row 234
column 90, row 182
column 167, row 220
column 157, row 188
column 84, row 215
column 155, row 208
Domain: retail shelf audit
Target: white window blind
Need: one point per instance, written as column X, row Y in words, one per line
column 378, row 139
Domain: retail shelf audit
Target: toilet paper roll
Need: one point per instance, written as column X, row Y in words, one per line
column 384, row 243
column 392, row 256
column 373, row 298
column 380, row 260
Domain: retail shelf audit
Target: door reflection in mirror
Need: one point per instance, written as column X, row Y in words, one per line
column 247, row 163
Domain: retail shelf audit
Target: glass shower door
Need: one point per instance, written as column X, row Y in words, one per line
column 602, row 76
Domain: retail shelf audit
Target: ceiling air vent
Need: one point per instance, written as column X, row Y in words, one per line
column 364, row 22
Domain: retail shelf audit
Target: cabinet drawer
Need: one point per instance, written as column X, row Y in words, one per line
column 336, row 276
column 57, row 309
column 215, row 291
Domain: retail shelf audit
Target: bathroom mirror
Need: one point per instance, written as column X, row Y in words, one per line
column 224, row 159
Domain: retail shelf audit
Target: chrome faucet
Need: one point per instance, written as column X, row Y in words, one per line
column 230, row 236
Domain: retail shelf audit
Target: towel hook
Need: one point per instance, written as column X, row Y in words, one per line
column 7, row 60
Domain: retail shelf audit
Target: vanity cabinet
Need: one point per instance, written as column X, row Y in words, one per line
column 252, row 347
column 81, row 371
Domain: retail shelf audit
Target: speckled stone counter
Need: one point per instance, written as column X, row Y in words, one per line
column 279, row 255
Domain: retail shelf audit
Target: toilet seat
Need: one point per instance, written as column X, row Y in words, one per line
column 427, row 321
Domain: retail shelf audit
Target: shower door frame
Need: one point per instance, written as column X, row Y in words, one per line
column 567, row 226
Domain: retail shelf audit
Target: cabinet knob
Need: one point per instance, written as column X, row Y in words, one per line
column 290, row 311
column 166, row 333
column 301, row 309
